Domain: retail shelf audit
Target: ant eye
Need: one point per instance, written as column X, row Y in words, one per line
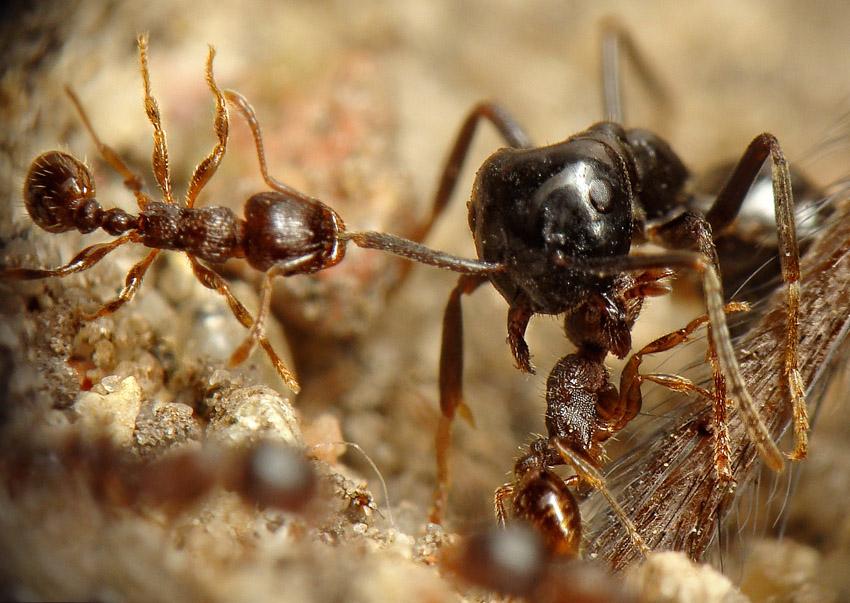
column 600, row 195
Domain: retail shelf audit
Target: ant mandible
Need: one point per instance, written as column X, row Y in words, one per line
column 284, row 231
column 563, row 222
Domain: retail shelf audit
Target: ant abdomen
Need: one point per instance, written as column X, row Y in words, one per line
column 282, row 229
column 59, row 194
column 544, row 500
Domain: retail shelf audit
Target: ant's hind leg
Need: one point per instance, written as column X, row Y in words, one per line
column 451, row 388
column 211, row 280
column 131, row 180
column 209, row 165
column 131, row 285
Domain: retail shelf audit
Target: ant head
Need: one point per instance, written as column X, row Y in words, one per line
column 282, row 229
column 531, row 208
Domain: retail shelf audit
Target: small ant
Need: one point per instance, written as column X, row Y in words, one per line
column 563, row 222
column 284, row 231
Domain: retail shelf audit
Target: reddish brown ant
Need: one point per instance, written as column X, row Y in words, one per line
column 284, row 232
column 562, row 221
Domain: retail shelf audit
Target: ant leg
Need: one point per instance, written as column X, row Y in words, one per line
column 615, row 39
column 84, row 260
column 586, row 469
column 214, row 281
column 209, row 165
column 518, row 317
column 451, row 387
column 721, row 214
column 719, row 333
column 247, row 112
column 689, row 229
column 131, row 180
column 503, row 493
column 160, row 152
column 630, row 399
column 388, row 243
column 259, row 327
column 513, row 134
column 507, row 126
column 131, row 285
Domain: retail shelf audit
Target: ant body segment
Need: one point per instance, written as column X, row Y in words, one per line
column 283, row 233
column 564, row 222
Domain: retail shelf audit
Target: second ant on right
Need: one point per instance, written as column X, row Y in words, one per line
column 563, row 222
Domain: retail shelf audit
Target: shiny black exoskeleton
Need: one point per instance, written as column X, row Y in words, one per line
column 563, row 227
column 532, row 209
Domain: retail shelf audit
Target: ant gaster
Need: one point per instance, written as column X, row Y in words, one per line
column 564, row 222
column 284, row 232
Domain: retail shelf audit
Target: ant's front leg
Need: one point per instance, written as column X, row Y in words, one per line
column 518, row 317
column 692, row 229
column 630, row 400
column 723, row 212
column 508, row 127
column 451, row 387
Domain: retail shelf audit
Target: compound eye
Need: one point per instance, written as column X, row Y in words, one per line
column 601, row 195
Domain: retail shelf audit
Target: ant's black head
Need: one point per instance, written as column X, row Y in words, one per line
column 532, row 208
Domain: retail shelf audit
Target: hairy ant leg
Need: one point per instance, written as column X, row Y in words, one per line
column 693, row 229
column 131, row 284
column 84, row 260
column 724, row 210
column 212, row 280
column 258, row 329
column 159, row 160
column 208, row 166
column 131, row 180
column 631, row 380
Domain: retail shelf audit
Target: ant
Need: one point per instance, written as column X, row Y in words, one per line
column 284, row 232
column 564, row 222
column 583, row 410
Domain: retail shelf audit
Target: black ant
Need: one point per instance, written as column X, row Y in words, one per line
column 284, row 232
column 563, row 222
